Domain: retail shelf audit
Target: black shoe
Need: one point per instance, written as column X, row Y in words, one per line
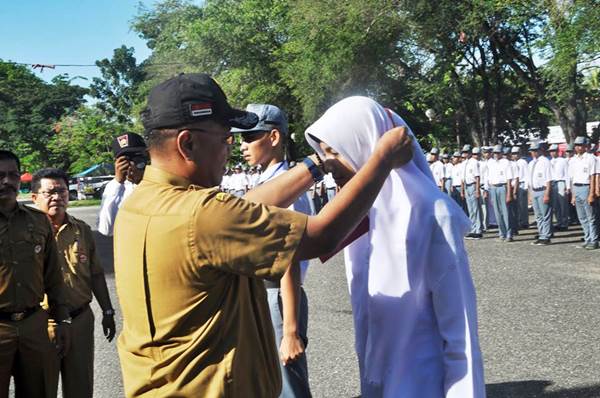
column 509, row 239
column 474, row 236
column 592, row 246
column 543, row 242
column 535, row 242
column 581, row 239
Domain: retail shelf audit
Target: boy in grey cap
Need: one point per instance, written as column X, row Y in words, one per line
column 267, row 145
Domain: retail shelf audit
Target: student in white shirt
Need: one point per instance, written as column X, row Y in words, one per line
column 540, row 180
column 267, row 145
column 437, row 168
column 238, row 181
column 522, row 192
column 472, row 192
column 560, row 179
column 131, row 157
column 582, row 168
column 448, row 166
column 499, row 180
column 457, row 175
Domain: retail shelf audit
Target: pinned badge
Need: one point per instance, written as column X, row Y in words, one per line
column 82, row 258
column 221, row 196
column 123, row 141
column 37, row 249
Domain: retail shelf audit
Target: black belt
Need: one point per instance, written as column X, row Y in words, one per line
column 468, row 185
column 581, row 185
column 18, row 316
column 271, row 284
column 538, row 189
column 499, row 185
column 330, row 188
column 75, row 313
column 555, row 181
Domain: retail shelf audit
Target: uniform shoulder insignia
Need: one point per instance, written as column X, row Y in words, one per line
column 222, row 196
column 33, row 210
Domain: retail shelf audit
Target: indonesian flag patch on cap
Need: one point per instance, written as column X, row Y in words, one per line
column 123, row 141
column 201, row 109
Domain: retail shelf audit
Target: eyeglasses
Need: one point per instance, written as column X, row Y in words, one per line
column 227, row 139
column 253, row 136
column 13, row 175
column 55, row 192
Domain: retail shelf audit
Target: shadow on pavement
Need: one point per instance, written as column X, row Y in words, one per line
column 104, row 245
column 536, row 389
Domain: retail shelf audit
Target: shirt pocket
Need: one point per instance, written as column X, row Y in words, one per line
column 29, row 248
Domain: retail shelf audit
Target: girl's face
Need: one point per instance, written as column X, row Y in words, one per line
column 337, row 165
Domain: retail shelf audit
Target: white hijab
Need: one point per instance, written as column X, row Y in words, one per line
column 415, row 235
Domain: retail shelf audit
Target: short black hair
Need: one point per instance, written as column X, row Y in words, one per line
column 54, row 174
column 8, row 155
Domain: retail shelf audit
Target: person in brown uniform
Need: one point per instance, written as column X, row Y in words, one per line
column 29, row 267
column 189, row 258
column 83, row 276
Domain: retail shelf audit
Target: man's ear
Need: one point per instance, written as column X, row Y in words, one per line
column 185, row 144
column 275, row 137
column 34, row 196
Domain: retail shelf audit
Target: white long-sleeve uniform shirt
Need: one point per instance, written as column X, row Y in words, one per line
column 113, row 196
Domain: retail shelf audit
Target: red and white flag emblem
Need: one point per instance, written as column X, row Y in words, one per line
column 123, row 141
column 201, row 109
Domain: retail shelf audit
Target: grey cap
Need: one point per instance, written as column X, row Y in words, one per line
column 445, row 156
column 456, row 154
column 515, row 149
column 434, row 151
column 570, row 148
column 466, row 148
column 487, row 149
column 534, row 146
column 476, row 151
column 553, row 147
column 580, row 140
column 497, row 149
column 269, row 117
column 505, row 150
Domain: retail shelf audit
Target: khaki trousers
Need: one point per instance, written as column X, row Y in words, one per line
column 27, row 353
column 77, row 368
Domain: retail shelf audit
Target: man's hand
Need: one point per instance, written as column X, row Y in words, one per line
column 62, row 334
column 508, row 198
column 591, row 199
column 292, row 348
column 396, row 147
column 108, row 326
column 546, row 199
column 485, row 195
column 573, row 200
column 121, row 169
column 477, row 194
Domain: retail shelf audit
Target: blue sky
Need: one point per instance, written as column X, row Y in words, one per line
column 67, row 32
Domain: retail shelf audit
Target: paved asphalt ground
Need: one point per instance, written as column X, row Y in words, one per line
column 539, row 320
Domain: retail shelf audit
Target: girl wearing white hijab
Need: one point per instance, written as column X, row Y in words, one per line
column 411, row 290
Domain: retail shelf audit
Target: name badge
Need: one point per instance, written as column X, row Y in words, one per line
column 539, row 175
column 585, row 169
column 501, row 173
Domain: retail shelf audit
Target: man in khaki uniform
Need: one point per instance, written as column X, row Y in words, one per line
column 188, row 257
column 29, row 267
column 82, row 274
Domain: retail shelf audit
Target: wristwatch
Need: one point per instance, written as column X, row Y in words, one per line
column 315, row 171
column 66, row 321
column 109, row 312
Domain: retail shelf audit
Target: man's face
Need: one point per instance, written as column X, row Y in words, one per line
column 211, row 148
column 466, row 155
column 497, row 155
column 554, row 154
column 580, row 149
column 515, row 156
column 476, row 156
column 52, row 197
column 257, row 147
column 10, row 181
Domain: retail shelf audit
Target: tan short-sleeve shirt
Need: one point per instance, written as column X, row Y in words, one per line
column 187, row 263
column 79, row 261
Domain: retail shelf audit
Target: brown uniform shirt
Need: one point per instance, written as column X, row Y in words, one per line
column 29, row 263
column 187, row 263
column 79, row 261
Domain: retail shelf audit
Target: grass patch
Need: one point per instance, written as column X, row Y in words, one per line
column 87, row 202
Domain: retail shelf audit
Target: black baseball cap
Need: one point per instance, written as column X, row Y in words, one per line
column 128, row 143
column 189, row 98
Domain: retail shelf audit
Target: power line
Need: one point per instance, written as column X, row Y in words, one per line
column 52, row 66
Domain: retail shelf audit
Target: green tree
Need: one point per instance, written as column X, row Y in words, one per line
column 29, row 110
column 118, row 89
